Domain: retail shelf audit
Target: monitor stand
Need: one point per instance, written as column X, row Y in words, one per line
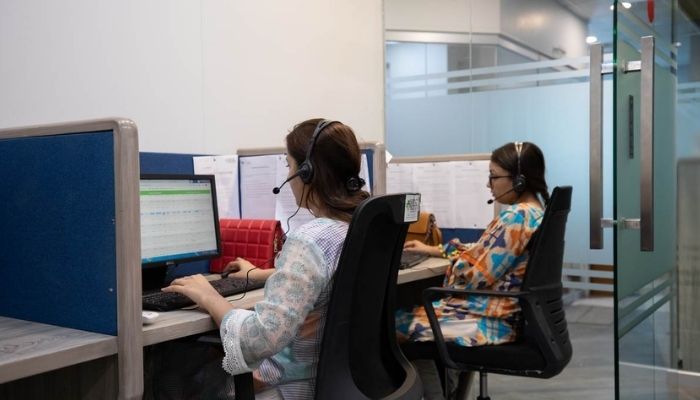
column 153, row 278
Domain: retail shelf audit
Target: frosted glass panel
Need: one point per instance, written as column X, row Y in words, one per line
column 555, row 117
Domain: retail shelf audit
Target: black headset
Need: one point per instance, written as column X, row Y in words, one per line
column 305, row 172
column 306, row 168
column 519, row 182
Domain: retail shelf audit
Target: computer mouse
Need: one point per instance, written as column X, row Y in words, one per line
column 225, row 274
column 149, row 317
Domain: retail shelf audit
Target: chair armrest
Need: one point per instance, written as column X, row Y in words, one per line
column 432, row 292
column 244, row 386
column 437, row 291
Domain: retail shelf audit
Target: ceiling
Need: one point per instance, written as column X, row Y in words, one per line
column 585, row 9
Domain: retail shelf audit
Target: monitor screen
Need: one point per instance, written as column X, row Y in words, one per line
column 179, row 219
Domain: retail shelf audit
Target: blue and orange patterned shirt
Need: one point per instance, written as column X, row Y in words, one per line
column 496, row 261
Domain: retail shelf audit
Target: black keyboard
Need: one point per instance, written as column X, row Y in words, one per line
column 410, row 259
column 167, row 301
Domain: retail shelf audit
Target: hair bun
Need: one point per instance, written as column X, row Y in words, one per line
column 354, row 183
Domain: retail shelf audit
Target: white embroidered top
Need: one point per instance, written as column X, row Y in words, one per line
column 281, row 337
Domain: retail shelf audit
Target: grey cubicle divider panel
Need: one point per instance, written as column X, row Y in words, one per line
column 69, row 233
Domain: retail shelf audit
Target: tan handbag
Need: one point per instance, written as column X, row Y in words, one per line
column 425, row 230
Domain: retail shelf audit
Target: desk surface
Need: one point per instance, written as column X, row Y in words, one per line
column 180, row 323
column 30, row 348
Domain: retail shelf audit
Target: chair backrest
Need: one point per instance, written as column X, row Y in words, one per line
column 543, row 309
column 360, row 358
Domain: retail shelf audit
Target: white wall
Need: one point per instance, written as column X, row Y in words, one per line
column 479, row 16
column 206, row 76
column 553, row 116
column 544, row 25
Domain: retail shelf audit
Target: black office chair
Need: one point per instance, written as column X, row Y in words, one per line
column 543, row 348
column 360, row 358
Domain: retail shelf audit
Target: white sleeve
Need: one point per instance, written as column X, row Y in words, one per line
column 234, row 363
column 290, row 294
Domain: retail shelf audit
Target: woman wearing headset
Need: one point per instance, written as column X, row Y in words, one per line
column 496, row 261
column 280, row 339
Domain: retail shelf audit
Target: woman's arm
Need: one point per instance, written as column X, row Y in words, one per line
column 495, row 253
column 242, row 268
column 290, row 294
column 420, row 247
column 198, row 288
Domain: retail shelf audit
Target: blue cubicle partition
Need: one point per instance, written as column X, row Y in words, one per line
column 57, row 228
column 370, row 165
column 166, row 163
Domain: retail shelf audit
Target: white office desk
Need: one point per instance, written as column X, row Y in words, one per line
column 30, row 348
column 180, row 323
column 433, row 266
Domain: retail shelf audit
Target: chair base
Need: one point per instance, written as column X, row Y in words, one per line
column 464, row 384
column 483, row 386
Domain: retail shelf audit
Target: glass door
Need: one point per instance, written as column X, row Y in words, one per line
column 645, row 198
column 654, row 220
column 606, row 84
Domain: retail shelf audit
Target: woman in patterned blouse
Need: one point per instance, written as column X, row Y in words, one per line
column 496, row 261
column 280, row 339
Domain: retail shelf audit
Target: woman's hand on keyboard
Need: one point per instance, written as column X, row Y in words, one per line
column 197, row 288
column 242, row 268
column 420, row 247
column 237, row 268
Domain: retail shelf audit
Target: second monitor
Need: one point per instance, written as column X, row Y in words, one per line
column 179, row 223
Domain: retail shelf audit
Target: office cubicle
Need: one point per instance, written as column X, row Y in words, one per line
column 70, row 253
column 453, row 187
column 260, row 170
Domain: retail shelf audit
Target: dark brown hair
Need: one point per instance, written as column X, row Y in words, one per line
column 335, row 159
column 531, row 166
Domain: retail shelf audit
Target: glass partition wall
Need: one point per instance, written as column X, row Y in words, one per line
column 611, row 92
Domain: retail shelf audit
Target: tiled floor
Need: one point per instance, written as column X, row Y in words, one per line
column 590, row 373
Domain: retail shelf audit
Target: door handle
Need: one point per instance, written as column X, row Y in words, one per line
column 646, row 221
column 646, row 183
column 595, row 162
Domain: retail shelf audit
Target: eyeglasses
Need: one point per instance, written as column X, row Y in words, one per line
column 492, row 177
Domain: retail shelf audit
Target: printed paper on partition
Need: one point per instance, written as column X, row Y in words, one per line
column 433, row 181
column 364, row 173
column 225, row 171
column 399, row 178
column 285, row 204
column 258, row 177
column 471, row 194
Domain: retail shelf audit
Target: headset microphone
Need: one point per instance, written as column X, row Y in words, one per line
column 490, row 201
column 277, row 189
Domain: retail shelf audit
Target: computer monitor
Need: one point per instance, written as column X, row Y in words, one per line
column 179, row 223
